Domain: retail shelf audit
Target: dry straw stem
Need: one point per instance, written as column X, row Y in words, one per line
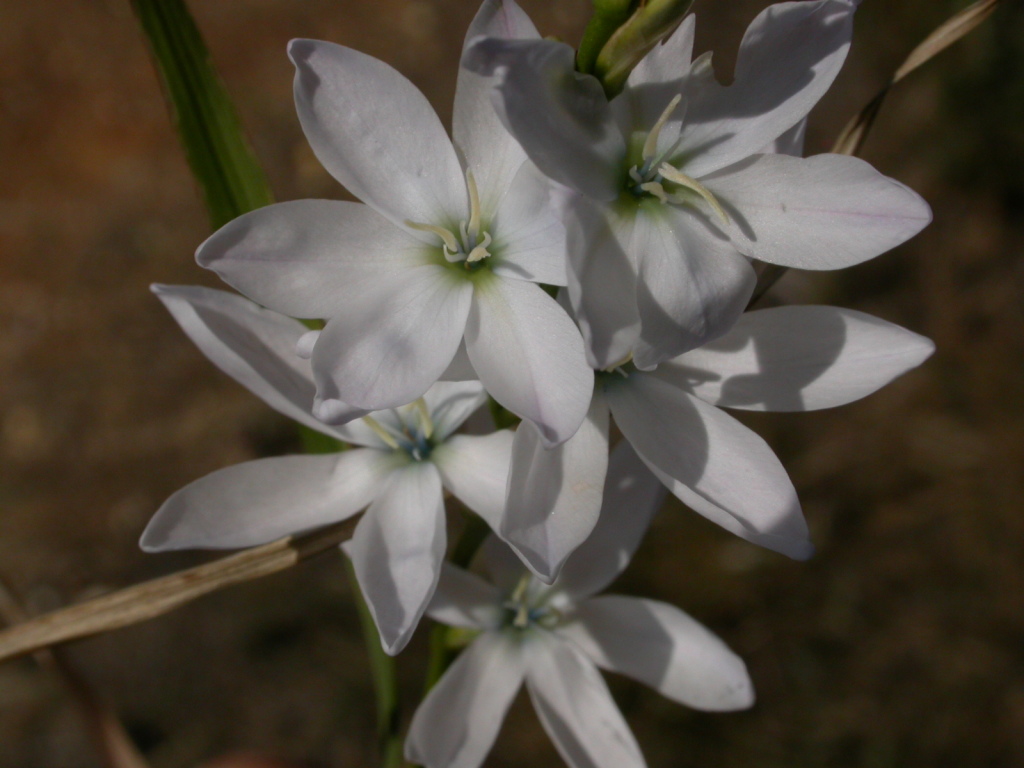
column 115, row 747
column 159, row 596
column 852, row 137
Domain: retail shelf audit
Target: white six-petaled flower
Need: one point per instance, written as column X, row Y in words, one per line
column 448, row 248
column 675, row 183
column 555, row 637
column 404, row 459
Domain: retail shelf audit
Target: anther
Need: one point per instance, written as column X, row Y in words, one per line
column 451, row 243
column 651, row 144
column 426, row 425
column 480, row 251
column 678, row 177
column 382, row 433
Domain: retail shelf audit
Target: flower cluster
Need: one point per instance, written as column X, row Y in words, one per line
column 581, row 261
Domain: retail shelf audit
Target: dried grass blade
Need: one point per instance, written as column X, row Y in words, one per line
column 852, row 137
column 159, row 596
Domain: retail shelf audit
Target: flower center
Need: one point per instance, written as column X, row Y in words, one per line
column 413, row 434
column 655, row 177
column 469, row 244
column 529, row 606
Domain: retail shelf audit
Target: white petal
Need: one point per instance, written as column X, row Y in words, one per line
column 799, row 359
column 450, row 403
column 260, row 501
column 560, row 117
column 377, row 134
column 821, row 212
column 632, row 495
column 397, row 551
column 661, row 646
column 693, row 284
column 602, row 279
column 576, row 708
column 308, row 257
column 712, row 462
column 488, row 150
column 554, row 494
column 463, row 599
column 458, row 721
column 529, row 239
column 252, row 345
column 790, row 143
column 789, row 57
column 667, row 61
column 386, row 347
column 529, row 355
column 475, row 469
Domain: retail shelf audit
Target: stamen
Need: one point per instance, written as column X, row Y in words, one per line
column 654, row 188
column 382, row 433
column 426, row 425
column 450, row 241
column 474, row 207
column 634, row 174
column 480, row 251
column 678, row 177
column 651, row 144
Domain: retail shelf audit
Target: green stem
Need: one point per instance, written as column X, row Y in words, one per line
column 231, row 179
column 608, row 16
column 385, row 685
column 442, row 650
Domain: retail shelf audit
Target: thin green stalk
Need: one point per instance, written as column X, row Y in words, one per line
column 608, row 16
column 385, row 685
column 228, row 173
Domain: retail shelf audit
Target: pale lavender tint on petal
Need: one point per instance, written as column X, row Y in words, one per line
column 387, row 347
column 554, row 494
column 254, row 346
column 263, row 500
column 710, row 461
column 798, row 359
column 821, row 212
column 560, row 117
column 307, row 258
column 397, row 551
column 661, row 646
column 458, row 721
column 576, row 708
column 487, row 149
column 789, row 57
column 632, row 496
column 377, row 134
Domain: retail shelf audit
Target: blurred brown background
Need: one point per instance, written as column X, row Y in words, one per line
column 900, row 644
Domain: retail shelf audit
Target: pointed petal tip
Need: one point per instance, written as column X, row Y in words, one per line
column 299, row 49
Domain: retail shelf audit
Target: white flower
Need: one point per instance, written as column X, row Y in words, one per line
column 406, row 457
column 799, row 358
column 555, row 637
column 676, row 181
column 449, row 246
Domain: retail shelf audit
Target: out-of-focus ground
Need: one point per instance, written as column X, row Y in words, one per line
column 900, row 644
